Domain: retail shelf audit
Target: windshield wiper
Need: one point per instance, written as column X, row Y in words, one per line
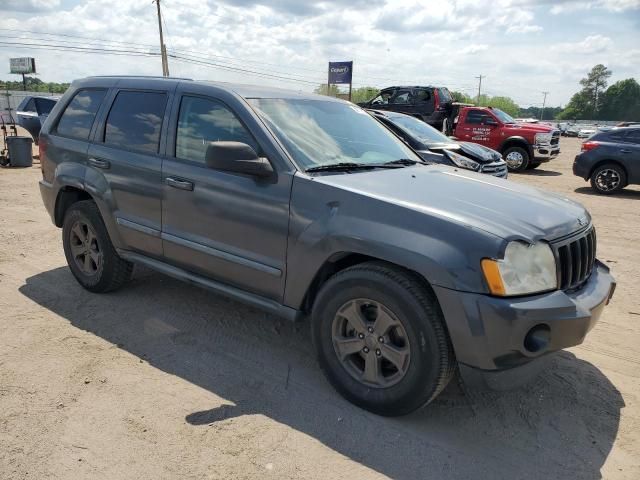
column 402, row 161
column 351, row 166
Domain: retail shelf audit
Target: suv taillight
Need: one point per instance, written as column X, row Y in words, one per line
column 588, row 146
column 436, row 99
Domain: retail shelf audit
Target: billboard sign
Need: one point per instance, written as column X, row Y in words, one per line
column 22, row 65
column 340, row 72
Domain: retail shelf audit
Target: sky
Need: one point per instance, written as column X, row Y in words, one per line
column 520, row 47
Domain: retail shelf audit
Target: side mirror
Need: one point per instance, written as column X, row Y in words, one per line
column 237, row 157
column 490, row 121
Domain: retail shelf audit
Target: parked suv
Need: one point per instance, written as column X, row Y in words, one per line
column 610, row 160
column 305, row 205
column 430, row 104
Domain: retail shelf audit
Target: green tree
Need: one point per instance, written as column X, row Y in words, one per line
column 505, row 104
column 322, row 89
column 593, row 86
column 621, row 101
column 363, row 94
column 462, row 98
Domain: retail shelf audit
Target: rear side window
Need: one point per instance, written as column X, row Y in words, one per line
column 28, row 107
column 201, row 121
column 401, row 97
column 44, row 106
column 78, row 117
column 444, row 95
column 422, row 95
column 135, row 120
column 633, row 136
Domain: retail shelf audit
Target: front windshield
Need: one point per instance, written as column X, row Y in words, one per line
column 320, row 132
column 418, row 129
column 503, row 117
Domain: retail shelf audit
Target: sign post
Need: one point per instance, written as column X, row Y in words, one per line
column 22, row 66
column 340, row 73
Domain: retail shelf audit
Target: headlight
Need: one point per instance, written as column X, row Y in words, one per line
column 543, row 138
column 462, row 162
column 525, row 269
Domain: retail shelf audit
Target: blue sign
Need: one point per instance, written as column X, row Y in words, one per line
column 340, row 72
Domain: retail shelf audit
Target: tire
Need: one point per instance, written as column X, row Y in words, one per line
column 381, row 292
column 533, row 165
column 608, row 179
column 445, row 126
column 517, row 159
column 89, row 251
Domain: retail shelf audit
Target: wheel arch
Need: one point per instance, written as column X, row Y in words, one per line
column 67, row 196
column 341, row 261
column 516, row 142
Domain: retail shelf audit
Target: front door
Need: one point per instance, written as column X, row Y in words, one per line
column 227, row 226
column 476, row 127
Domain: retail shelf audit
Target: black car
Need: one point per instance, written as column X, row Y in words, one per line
column 611, row 160
column 32, row 112
column 434, row 147
column 433, row 105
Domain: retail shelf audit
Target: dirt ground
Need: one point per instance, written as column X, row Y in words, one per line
column 162, row 380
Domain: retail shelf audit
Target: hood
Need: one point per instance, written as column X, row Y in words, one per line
column 506, row 209
column 477, row 152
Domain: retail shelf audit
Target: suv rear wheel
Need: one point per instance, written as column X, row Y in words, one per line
column 609, row 178
column 381, row 339
column 517, row 159
column 89, row 251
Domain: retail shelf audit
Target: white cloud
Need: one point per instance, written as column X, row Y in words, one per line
column 29, row 5
column 581, row 5
column 590, row 45
column 474, row 48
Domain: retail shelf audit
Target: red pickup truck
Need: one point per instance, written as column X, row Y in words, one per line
column 522, row 145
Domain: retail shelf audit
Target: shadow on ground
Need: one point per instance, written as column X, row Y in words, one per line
column 537, row 172
column 626, row 193
column 561, row 426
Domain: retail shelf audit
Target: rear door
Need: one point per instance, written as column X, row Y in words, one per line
column 630, row 153
column 402, row 101
column 424, row 102
column 125, row 160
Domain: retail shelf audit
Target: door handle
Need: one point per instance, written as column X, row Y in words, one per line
column 624, row 150
column 181, row 184
column 96, row 162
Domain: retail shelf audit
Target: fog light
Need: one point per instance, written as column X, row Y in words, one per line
column 538, row 338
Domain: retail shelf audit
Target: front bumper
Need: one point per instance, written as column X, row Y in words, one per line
column 544, row 153
column 489, row 333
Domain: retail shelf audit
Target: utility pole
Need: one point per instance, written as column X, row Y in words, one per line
column 163, row 48
column 544, row 102
column 479, row 88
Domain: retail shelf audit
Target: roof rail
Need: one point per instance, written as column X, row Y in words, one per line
column 139, row 76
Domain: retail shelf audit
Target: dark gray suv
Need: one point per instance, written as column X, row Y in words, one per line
column 306, row 206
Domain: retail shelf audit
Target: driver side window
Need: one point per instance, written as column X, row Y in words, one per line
column 202, row 121
column 477, row 117
column 383, row 98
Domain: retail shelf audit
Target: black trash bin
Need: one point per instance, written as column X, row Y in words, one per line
column 20, row 153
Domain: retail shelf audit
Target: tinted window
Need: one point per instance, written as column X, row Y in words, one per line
column 444, row 94
column 29, row 106
column 78, row 117
column 421, row 131
column 616, row 136
column 633, row 136
column 135, row 120
column 382, row 98
column 44, row 106
column 202, row 121
column 401, row 97
column 477, row 116
column 422, row 95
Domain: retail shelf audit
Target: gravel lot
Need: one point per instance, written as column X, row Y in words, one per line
column 162, row 380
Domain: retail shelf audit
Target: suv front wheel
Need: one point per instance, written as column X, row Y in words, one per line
column 89, row 251
column 517, row 159
column 381, row 339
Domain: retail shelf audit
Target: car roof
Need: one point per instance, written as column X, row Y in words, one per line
column 410, row 86
column 244, row 90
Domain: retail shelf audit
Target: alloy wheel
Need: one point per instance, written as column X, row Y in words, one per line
column 85, row 248
column 371, row 343
column 608, row 180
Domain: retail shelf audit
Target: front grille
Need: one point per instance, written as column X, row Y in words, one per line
column 576, row 257
column 497, row 169
column 555, row 138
